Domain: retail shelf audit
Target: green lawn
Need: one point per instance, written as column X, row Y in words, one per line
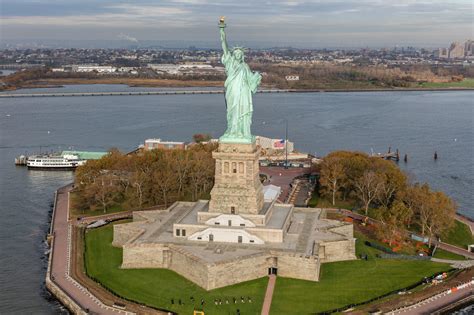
column 349, row 282
column 341, row 283
column 442, row 254
column 156, row 287
column 459, row 235
column 466, row 83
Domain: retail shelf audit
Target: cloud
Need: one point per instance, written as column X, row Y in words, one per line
column 282, row 20
column 127, row 38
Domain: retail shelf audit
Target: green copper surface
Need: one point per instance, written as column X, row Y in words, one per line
column 239, row 86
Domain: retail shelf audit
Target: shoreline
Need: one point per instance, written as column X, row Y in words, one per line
column 185, row 84
column 189, row 90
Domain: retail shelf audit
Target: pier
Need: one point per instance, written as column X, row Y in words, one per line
column 132, row 93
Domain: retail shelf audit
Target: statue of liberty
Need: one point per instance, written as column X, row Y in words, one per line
column 239, row 86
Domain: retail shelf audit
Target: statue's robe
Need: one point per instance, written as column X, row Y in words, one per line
column 241, row 82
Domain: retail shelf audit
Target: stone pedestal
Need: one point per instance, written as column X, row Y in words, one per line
column 237, row 188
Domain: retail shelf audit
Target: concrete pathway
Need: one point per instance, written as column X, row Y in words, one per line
column 60, row 259
column 267, row 303
column 455, row 249
column 459, row 264
column 279, row 176
column 437, row 302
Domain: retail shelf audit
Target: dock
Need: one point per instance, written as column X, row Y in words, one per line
column 388, row 156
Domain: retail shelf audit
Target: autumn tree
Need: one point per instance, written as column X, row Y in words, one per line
column 331, row 176
column 368, row 187
column 393, row 180
column 103, row 190
column 392, row 220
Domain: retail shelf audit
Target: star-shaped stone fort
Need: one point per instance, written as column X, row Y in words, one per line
column 235, row 236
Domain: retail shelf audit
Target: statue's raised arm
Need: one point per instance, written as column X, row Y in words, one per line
column 222, row 26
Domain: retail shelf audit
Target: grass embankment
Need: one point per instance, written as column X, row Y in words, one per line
column 341, row 283
column 459, row 235
column 466, row 83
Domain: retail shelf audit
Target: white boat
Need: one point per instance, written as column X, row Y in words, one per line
column 54, row 162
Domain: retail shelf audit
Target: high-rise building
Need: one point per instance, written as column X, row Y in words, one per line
column 469, row 48
column 443, row 53
column 456, row 50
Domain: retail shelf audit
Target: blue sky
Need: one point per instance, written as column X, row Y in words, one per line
column 316, row 23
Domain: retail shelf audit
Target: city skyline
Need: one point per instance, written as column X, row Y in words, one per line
column 311, row 24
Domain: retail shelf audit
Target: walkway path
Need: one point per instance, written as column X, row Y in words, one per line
column 436, row 302
column 267, row 303
column 455, row 249
column 279, row 176
column 60, row 258
column 458, row 264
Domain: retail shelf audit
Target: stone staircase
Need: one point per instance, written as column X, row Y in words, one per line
column 305, row 233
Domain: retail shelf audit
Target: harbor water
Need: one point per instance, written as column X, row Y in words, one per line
column 417, row 123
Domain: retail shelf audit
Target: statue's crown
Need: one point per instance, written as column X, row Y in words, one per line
column 239, row 48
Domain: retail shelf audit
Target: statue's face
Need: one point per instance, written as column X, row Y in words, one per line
column 239, row 55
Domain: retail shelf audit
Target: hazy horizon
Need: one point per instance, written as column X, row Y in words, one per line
column 296, row 23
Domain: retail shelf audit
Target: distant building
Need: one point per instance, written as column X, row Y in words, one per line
column 443, row 53
column 186, row 68
column 92, row 68
column 151, row 144
column 292, row 78
column 469, row 48
column 274, row 144
column 164, row 67
column 130, row 70
column 456, row 51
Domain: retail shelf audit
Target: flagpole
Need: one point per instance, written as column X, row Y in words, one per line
column 286, row 145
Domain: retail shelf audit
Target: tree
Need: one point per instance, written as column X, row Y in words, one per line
column 332, row 174
column 442, row 211
column 103, row 190
column 433, row 210
column 201, row 137
column 392, row 181
column 393, row 220
column 368, row 187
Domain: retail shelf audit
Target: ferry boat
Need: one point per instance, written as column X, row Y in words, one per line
column 54, row 162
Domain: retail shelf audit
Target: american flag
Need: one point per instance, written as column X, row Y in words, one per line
column 279, row 143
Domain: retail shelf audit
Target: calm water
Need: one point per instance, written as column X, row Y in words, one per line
column 418, row 123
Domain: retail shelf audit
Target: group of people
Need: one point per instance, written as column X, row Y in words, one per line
column 235, row 300
column 226, row 301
